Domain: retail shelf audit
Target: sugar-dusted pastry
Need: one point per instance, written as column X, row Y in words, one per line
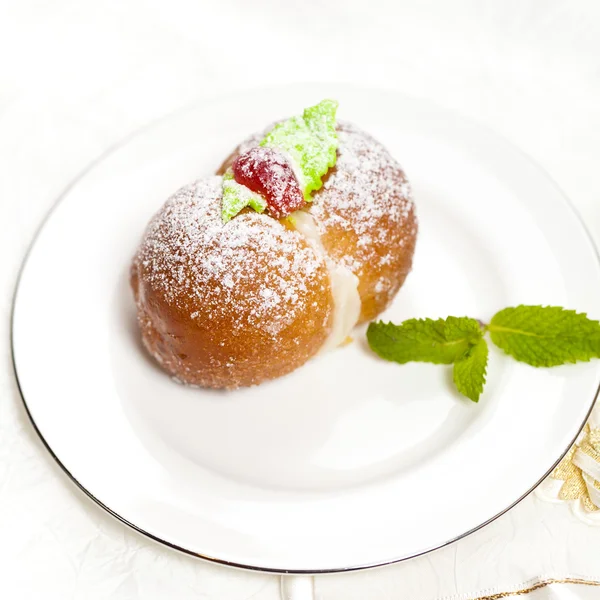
column 243, row 277
column 364, row 215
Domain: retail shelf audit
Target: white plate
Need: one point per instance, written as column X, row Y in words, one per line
column 350, row 461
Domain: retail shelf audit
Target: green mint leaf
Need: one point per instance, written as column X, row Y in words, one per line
column 442, row 341
column 469, row 371
column 545, row 336
column 311, row 142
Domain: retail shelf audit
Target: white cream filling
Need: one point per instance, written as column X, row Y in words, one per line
column 344, row 285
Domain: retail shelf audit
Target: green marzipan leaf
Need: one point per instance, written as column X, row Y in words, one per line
column 545, row 336
column 442, row 341
column 236, row 197
column 470, row 370
column 311, row 140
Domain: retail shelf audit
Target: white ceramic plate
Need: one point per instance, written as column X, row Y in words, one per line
column 350, row 461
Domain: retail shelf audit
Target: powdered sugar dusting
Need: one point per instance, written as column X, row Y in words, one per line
column 366, row 188
column 190, row 256
column 365, row 215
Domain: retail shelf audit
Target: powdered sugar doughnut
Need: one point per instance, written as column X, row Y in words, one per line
column 228, row 305
column 364, row 214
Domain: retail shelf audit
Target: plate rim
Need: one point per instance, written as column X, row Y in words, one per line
column 212, row 99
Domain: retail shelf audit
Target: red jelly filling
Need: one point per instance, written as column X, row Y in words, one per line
column 266, row 172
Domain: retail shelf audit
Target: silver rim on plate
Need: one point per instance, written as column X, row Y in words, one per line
column 94, row 163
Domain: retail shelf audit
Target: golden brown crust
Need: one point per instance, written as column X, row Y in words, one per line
column 224, row 306
column 365, row 215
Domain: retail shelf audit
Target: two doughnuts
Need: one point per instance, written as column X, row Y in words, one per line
column 236, row 304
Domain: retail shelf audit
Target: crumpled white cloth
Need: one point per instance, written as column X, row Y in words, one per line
column 77, row 76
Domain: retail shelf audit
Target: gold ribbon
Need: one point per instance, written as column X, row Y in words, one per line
column 536, row 586
column 579, row 483
column 579, row 472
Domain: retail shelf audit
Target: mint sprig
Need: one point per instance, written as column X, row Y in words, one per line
column 441, row 342
column 541, row 336
column 545, row 336
column 470, row 370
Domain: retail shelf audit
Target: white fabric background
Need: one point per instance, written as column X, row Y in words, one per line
column 76, row 76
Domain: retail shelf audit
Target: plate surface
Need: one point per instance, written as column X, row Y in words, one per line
column 350, row 461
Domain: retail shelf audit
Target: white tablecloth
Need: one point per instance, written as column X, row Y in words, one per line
column 76, row 76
